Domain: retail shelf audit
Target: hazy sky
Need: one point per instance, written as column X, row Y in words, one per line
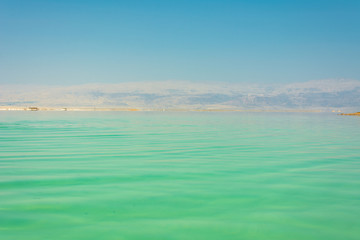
column 86, row 41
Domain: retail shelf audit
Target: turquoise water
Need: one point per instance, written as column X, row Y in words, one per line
column 138, row 175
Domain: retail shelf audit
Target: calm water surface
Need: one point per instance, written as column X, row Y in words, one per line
column 120, row 175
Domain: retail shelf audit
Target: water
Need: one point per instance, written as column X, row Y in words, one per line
column 120, row 175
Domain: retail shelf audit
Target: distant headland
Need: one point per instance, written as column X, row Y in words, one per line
column 351, row 114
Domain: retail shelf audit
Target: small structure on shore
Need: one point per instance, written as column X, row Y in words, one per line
column 33, row 108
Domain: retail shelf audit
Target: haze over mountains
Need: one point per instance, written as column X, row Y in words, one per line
column 321, row 94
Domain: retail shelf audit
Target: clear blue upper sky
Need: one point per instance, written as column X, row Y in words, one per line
column 86, row 41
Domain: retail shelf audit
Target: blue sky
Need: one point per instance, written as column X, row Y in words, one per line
column 264, row 41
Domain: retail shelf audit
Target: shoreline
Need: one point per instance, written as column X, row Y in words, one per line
column 103, row 109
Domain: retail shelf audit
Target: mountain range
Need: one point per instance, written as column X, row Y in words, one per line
column 320, row 94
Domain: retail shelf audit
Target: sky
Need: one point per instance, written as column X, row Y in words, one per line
column 113, row 41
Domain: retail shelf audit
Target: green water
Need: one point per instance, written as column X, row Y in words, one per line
column 116, row 175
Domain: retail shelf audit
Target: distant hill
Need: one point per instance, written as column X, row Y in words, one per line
column 322, row 94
